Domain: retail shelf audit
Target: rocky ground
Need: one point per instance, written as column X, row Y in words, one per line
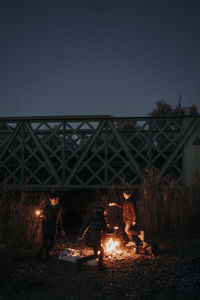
column 172, row 274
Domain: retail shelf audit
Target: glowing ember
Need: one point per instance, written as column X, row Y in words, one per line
column 111, row 247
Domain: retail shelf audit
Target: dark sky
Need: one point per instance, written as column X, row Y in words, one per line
column 60, row 57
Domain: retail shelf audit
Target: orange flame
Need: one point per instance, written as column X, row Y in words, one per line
column 111, row 246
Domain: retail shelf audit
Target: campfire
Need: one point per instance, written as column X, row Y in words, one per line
column 114, row 252
column 111, row 246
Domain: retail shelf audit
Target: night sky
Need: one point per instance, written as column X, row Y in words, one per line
column 60, row 57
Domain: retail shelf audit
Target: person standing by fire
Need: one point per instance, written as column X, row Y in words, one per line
column 51, row 218
column 129, row 218
column 92, row 230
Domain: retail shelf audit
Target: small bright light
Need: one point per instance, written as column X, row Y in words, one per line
column 37, row 212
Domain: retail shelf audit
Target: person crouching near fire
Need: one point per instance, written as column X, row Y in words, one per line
column 129, row 218
column 51, row 217
column 92, row 232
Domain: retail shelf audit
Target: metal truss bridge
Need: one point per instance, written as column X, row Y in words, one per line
column 75, row 152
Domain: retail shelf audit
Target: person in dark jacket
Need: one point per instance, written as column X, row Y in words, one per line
column 129, row 218
column 92, row 231
column 50, row 219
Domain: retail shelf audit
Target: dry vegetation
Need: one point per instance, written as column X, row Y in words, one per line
column 168, row 209
column 20, row 229
column 161, row 209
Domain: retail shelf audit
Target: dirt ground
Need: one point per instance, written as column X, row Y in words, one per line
column 172, row 274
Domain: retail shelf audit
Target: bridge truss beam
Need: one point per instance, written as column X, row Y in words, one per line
column 78, row 152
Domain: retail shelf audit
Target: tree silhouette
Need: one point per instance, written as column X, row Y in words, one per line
column 164, row 109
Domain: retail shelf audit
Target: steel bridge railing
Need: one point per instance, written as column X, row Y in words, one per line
column 91, row 151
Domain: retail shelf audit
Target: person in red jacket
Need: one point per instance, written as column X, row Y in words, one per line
column 129, row 218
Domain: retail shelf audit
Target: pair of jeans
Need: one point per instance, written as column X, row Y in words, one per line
column 47, row 244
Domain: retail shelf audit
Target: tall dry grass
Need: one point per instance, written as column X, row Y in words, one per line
column 164, row 208
column 161, row 208
column 20, row 229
